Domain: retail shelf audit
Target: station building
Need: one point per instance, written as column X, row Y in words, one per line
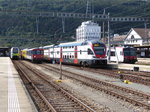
column 118, row 40
column 88, row 31
column 138, row 38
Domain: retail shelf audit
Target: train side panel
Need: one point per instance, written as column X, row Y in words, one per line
column 77, row 53
column 116, row 54
column 34, row 54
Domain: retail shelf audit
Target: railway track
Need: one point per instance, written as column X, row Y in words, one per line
column 134, row 97
column 47, row 95
column 137, row 77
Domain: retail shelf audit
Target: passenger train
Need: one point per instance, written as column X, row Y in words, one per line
column 34, row 54
column 14, row 53
column 123, row 54
column 86, row 53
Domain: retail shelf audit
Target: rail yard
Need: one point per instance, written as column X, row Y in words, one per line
column 75, row 56
column 77, row 89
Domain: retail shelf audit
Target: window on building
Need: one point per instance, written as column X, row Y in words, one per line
column 132, row 37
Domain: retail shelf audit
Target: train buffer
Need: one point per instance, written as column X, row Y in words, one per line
column 58, row 80
column 127, row 82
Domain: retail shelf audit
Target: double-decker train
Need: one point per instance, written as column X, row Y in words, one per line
column 34, row 54
column 123, row 54
column 86, row 53
column 14, row 53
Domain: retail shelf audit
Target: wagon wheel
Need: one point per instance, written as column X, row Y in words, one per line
column 85, row 64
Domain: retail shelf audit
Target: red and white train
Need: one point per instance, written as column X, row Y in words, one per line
column 34, row 54
column 123, row 54
column 87, row 53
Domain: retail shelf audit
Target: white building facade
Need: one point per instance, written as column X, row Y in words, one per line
column 88, row 31
column 138, row 36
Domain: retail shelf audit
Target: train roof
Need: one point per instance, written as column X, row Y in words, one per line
column 31, row 49
column 72, row 44
column 48, row 46
column 14, row 47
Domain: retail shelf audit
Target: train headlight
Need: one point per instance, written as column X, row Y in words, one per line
column 94, row 56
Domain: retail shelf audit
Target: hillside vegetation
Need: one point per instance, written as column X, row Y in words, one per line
column 22, row 31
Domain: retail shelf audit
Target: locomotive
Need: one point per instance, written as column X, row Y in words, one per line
column 14, row 53
column 86, row 53
column 124, row 54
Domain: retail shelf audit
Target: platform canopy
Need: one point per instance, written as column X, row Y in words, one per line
column 4, row 51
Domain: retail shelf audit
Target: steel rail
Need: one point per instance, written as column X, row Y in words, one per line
column 37, row 72
column 134, row 101
column 51, row 108
column 131, row 77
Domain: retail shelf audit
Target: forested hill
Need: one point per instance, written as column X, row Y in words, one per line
column 23, row 30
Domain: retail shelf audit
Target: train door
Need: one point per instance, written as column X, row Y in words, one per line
column 113, row 55
column 49, row 55
column 75, row 55
column 120, row 54
column 61, row 55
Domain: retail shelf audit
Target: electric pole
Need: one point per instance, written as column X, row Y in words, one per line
column 63, row 25
column 108, row 39
column 145, row 25
column 37, row 25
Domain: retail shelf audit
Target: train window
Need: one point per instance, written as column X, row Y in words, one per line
column 99, row 50
column 112, row 53
column 15, row 50
column 90, row 52
column 80, row 52
column 129, row 52
column 121, row 53
column 70, row 56
column 57, row 52
column 29, row 52
column 38, row 52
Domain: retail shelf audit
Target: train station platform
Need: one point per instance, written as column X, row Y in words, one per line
column 133, row 67
column 13, row 95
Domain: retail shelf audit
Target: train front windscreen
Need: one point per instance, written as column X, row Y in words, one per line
column 15, row 50
column 37, row 52
column 129, row 52
column 99, row 48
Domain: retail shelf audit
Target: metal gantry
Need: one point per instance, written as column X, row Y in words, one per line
column 103, row 17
